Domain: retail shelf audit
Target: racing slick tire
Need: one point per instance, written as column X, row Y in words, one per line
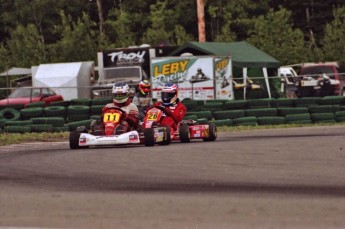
column 212, row 132
column 74, row 140
column 149, row 137
column 184, row 133
column 167, row 134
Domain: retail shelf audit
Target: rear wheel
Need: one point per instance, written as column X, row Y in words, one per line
column 184, row 133
column 74, row 139
column 149, row 137
column 212, row 132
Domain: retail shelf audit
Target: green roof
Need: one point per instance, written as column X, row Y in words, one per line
column 242, row 53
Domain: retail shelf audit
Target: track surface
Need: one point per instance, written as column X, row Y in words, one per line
column 279, row 178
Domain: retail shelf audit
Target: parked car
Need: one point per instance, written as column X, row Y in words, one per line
column 26, row 95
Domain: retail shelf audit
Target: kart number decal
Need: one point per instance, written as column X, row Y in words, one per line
column 111, row 117
column 152, row 116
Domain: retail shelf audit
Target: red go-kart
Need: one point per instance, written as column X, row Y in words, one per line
column 186, row 129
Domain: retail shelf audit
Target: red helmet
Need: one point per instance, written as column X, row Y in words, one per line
column 169, row 94
column 144, row 87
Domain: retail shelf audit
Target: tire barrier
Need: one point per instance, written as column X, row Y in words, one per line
column 80, row 102
column 201, row 114
column 74, row 125
column 41, row 128
column 36, row 104
column 2, row 123
column 32, row 112
column 202, row 120
column 236, row 105
column 340, row 116
column 212, row 106
column 17, row 129
column 101, row 101
column 13, row 106
column 96, row 109
column 192, row 117
column 54, row 121
column 307, row 101
column 10, row 114
column 274, row 120
column 246, row 121
column 323, row 118
column 95, row 117
column 60, row 129
column 291, row 119
column 283, row 111
column 19, row 123
column 191, row 105
column 323, row 109
column 332, row 100
column 229, row 114
column 54, row 111
column 223, row 122
column 262, row 112
column 78, row 113
column 61, row 103
column 61, row 116
column 283, row 102
column 260, row 103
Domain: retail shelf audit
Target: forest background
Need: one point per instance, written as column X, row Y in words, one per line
column 33, row 32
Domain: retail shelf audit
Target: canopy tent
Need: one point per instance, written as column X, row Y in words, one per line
column 243, row 55
column 16, row 72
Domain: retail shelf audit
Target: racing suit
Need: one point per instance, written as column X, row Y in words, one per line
column 173, row 115
column 129, row 120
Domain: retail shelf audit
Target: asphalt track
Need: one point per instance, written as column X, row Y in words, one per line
column 278, row 178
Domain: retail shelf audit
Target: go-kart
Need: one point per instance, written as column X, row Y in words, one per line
column 109, row 134
column 186, row 129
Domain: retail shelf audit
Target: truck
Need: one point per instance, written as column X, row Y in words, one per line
column 320, row 79
column 197, row 77
column 130, row 65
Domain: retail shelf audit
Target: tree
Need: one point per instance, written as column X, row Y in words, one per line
column 333, row 41
column 25, row 47
column 78, row 40
column 160, row 24
column 274, row 34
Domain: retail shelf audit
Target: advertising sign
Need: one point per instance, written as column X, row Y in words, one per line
column 193, row 75
column 223, row 73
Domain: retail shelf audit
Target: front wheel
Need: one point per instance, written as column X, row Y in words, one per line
column 149, row 137
column 184, row 133
column 74, row 139
column 212, row 136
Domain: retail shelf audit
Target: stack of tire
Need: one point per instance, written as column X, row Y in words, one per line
column 78, row 113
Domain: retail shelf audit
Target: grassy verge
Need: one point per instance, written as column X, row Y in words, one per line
column 12, row 138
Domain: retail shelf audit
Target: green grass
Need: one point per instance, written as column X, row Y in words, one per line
column 13, row 138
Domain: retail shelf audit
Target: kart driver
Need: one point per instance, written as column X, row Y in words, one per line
column 129, row 119
column 174, row 110
column 142, row 98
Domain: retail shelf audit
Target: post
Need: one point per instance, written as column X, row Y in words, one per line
column 201, row 20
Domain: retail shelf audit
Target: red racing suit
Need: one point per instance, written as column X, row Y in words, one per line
column 173, row 115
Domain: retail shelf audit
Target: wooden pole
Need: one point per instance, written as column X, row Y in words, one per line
column 201, row 20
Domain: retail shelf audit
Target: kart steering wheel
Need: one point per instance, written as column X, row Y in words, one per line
column 117, row 108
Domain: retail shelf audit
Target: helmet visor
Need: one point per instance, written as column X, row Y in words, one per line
column 168, row 95
column 120, row 95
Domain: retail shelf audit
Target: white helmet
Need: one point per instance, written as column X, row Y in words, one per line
column 120, row 92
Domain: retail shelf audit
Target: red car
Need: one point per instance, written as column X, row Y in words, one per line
column 26, row 95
